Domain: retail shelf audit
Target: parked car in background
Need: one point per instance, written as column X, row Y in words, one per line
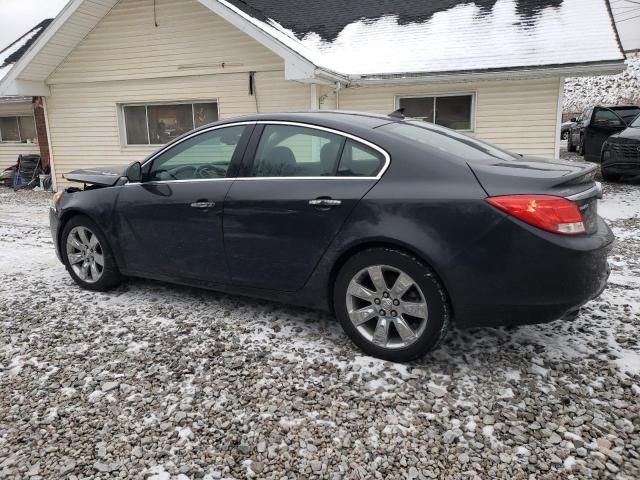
column 398, row 226
column 595, row 125
column 565, row 128
column 621, row 153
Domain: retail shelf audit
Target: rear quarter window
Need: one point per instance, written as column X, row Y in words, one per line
column 358, row 160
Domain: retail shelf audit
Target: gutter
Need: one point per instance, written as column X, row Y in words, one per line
column 577, row 70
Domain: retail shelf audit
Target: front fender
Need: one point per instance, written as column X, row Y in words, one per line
column 97, row 204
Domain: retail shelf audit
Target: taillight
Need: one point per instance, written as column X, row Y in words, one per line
column 553, row 214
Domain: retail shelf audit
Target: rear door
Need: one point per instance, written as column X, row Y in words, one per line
column 170, row 224
column 299, row 184
column 605, row 122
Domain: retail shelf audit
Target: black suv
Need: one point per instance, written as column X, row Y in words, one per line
column 595, row 125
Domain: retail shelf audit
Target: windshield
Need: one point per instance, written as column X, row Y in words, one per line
column 447, row 140
column 627, row 114
column 636, row 122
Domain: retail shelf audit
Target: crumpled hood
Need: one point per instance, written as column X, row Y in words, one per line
column 105, row 176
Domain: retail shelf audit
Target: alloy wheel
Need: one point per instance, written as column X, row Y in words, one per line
column 387, row 306
column 85, row 254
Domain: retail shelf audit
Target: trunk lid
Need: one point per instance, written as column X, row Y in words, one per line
column 530, row 175
column 102, row 176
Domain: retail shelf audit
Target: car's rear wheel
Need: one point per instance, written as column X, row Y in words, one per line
column 87, row 255
column 606, row 175
column 391, row 304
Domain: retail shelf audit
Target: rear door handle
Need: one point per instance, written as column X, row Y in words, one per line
column 203, row 204
column 325, row 202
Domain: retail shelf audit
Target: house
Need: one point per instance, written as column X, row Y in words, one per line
column 18, row 132
column 120, row 77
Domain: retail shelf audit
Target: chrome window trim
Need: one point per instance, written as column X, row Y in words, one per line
column 381, row 150
column 191, row 135
column 382, row 171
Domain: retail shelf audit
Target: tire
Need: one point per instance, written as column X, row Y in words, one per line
column 82, row 243
column 580, row 148
column 427, row 325
column 609, row 177
column 570, row 146
column 564, row 136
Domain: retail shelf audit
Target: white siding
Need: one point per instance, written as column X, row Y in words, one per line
column 519, row 115
column 189, row 40
column 126, row 59
column 84, row 124
column 9, row 151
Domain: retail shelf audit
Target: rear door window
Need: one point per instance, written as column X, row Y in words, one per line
column 293, row 151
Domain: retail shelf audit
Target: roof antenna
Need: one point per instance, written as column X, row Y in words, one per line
column 399, row 113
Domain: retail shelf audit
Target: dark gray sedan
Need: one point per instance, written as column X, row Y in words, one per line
column 397, row 226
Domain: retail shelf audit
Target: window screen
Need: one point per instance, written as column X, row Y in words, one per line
column 161, row 123
column 453, row 111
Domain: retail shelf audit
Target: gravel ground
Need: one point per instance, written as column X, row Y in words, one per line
column 159, row 381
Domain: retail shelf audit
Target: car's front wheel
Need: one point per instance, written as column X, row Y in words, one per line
column 391, row 304
column 87, row 255
column 570, row 146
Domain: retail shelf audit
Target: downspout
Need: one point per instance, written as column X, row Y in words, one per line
column 559, row 118
column 52, row 163
column 313, row 97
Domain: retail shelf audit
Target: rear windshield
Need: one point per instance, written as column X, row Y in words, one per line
column 448, row 141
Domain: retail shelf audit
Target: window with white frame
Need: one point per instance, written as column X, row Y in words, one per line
column 18, row 129
column 159, row 123
column 452, row 111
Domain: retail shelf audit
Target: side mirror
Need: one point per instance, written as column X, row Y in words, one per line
column 573, row 119
column 134, row 172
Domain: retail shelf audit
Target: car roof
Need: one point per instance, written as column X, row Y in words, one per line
column 362, row 119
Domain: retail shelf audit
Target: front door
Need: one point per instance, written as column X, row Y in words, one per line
column 170, row 224
column 300, row 186
column 605, row 123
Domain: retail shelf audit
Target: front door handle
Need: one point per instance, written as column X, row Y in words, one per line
column 325, row 202
column 203, row 204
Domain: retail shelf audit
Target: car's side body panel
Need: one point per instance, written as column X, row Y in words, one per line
column 263, row 239
column 160, row 231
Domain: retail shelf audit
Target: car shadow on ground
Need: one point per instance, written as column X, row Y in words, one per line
column 307, row 334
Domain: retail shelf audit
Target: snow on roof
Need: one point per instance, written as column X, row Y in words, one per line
column 585, row 92
column 10, row 55
column 378, row 37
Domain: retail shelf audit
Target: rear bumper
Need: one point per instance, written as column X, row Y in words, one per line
column 54, row 223
column 528, row 276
